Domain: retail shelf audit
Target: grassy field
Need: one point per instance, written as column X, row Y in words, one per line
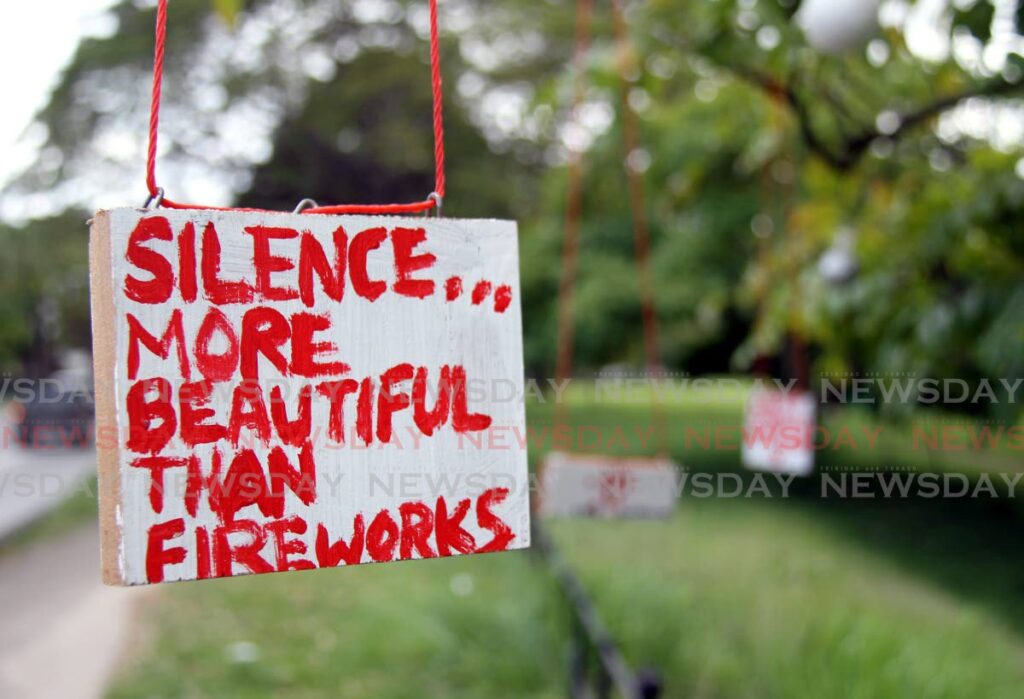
column 730, row 598
column 483, row 626
column 756, row 599
column 702, row 431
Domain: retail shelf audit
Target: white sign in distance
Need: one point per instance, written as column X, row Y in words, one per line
column 585, row 485
column 778, row 432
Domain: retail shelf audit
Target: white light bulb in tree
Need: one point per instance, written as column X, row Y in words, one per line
column 839, row 264
column 838, row 26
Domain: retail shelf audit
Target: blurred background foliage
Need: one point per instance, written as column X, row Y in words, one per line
column 868, row 204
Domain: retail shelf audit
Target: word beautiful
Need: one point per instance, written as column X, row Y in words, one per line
column 237, row 335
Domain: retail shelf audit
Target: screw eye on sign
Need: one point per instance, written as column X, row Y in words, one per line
column 285, row 392
column 778, row 432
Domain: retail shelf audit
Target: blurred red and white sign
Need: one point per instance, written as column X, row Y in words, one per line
column 778, row 432
column 283, row 392
column 584, row 485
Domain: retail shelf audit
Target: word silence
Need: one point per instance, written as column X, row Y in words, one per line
column 237, row 352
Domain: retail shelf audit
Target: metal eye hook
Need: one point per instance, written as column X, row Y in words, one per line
column 305, row 204
column 438, row 203
column 154, row 200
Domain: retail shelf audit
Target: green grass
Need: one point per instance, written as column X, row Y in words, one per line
column 481, row 626
column 801, row 598
column 621, row 420
column 728, row 599
column 758, row 599
column 702, row 432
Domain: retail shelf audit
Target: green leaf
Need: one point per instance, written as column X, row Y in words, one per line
column 1014, row 70
column 227, row 9
column 977, row 19
column 788, row 7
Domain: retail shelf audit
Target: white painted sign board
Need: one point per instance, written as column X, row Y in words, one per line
column 281, row 392
column 586, row 485
column 778, row 432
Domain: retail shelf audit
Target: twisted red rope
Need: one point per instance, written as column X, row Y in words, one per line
column 435, row 82
column 430, row 202
column 154, row 104
column 573, row 213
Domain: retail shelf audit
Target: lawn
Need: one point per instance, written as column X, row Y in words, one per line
column 703, row 430
column 730, row 598
column 759, row 599
column 484, row 626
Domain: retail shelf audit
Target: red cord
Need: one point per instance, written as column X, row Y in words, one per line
column 637, row 195
column 412, row 207
column 573, row 214
column 154, row 108
column 435, row 82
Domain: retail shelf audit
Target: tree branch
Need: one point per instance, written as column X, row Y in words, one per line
column 850, row 150
column 857, row 145
column 786, row 92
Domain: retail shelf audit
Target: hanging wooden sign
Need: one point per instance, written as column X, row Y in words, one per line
column 778, row 432
column 282, row 392
column 590, row 485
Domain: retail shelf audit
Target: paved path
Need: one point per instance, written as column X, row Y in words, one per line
column 61, row 630
column 33, row 481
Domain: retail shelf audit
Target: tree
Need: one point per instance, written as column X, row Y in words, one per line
column 759, row 153
column 764, row 151
column 44, row 286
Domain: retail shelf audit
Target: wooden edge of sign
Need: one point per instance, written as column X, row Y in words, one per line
column 104, row 345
